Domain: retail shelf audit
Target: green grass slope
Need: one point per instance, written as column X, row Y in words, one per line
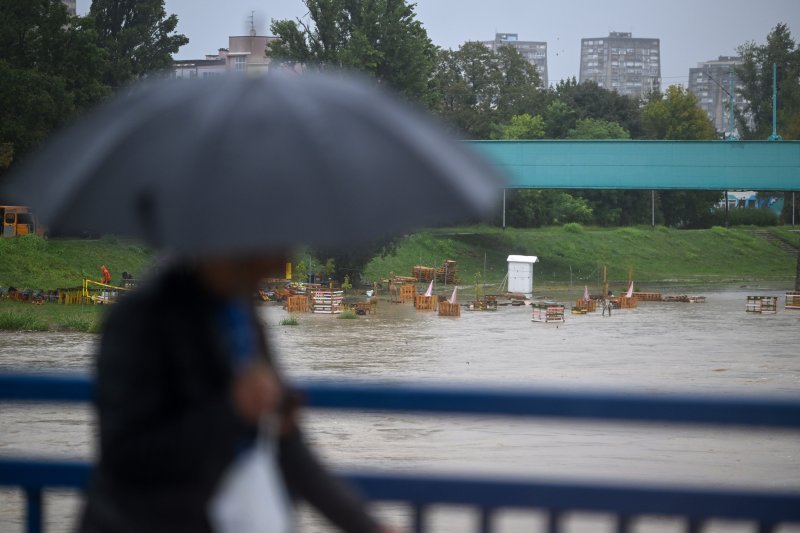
column 32, row 262
column 715, row 255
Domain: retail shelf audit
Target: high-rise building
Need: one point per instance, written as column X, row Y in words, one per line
column 629, row 65
column 535, row 52
column 710, row 82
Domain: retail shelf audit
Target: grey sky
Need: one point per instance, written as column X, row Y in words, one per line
column 690, row 30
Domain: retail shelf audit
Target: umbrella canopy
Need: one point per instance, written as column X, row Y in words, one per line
column 235, row 164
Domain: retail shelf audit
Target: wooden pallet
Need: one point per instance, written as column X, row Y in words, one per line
column 648, row 296
column 589, row 306
column 297, row 304
column 762, row 304
column 448, row 309
column 792, row 300
column 425, row 303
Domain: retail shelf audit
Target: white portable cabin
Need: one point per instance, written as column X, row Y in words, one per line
column 520, row 273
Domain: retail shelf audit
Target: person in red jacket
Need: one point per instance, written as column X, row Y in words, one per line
column 106, row 275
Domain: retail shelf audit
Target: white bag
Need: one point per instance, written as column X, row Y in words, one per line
column 251, row 498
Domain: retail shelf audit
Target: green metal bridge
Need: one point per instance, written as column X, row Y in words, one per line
column 702, row 165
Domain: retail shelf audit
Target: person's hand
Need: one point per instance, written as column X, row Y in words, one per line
column 256, row 392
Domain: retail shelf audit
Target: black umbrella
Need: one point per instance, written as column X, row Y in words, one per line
column 237, row 164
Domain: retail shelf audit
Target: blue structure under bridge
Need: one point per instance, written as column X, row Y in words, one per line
column 764, row 509
column 702, row 165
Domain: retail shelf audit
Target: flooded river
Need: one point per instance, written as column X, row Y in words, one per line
column 659, row 347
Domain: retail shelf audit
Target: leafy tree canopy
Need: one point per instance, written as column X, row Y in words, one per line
column 595, row 128
column 522, row 126
column 676, row 116
column 480, row 89
column 589, row 100
column 50, row 71
column 755, row 74
column 138, row 37
column 380, row 37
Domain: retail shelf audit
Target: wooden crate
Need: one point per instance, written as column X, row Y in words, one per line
column 623, row 302
column 547, row 312
column 762, row 304
column 448, row 309
column 425, row 303
column 448, row 272
column 648, row 296
column 590, row 306
column 792, row 300
column 297, row 304
column 423, row 273
column 362, row 308
column 407, row 293
column 327, row 301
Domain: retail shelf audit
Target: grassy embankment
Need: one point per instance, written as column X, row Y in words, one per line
column 710, row 256
column 716, row 255
column 34, row 263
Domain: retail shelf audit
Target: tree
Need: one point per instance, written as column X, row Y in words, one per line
column 50, row 71
column 677, row 116
column 755, row 75
column 589, row 100
column 559, row 119
column 138, row 37
column 380, row 37
column 521, row 126
column 481, row 89
column 592, row 128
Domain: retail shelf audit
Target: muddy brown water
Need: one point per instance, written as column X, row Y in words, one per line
column 661, row 348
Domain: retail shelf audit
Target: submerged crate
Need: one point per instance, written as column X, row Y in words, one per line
column 547, row 312
column 448, row 309
column 648, row 296
column 327, row 301
column 425, row 303
column 762, row 304
column 792, row 300
column 623, row 302
column 297, row 304
column 407, row 293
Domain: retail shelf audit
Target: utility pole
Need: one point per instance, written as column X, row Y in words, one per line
column 775, row 136
column 732, row 99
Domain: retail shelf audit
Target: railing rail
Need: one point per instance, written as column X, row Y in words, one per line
column 488, row 494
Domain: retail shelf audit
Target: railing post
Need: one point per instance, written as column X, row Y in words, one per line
column 33, row 509
column 623, row 524
column 486, row 520
column 418, row 519
column 553, row 521
column 693, row 525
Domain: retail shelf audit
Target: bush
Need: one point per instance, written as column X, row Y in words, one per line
column 21, row 322
column 745, row 217
column 348, row 314
column 573, row 227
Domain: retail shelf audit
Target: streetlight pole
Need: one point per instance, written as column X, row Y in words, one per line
column 775, row 136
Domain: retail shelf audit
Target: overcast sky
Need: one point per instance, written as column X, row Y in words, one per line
column 690, row 30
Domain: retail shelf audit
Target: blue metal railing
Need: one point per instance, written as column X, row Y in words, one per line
column 625, row 501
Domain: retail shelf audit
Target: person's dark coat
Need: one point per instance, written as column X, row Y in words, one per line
column 167, row 426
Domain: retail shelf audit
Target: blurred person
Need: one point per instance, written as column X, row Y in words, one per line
column 185, row 377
